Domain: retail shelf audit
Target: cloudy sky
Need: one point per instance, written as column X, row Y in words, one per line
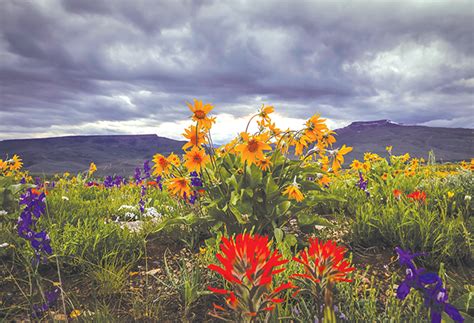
column 119, row 66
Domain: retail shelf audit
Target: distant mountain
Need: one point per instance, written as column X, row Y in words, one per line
column 121, row 154
column 112, row 154
column 448, row 144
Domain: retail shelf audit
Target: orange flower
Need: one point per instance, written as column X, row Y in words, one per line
column 356, row 164
column 252, row 147
column 161, row 165
column 195, row 136
column 265, row 111
column 200, row 112
column 315, row 127
column 300, row 144
column 15, row 163
column 324, row 180
column 173, row 159
column 179, row 186
column 328, row 138
column 294, row 192
column 264, row 164
column 339, row 157
column 195, row 159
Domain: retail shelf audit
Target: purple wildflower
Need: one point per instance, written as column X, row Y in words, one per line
column 195, row 179
column 50, row 299
column 158, row 180
column 147, row 168
column 361, row 184
column 23, row 180
column 142, row 199
column 138, row 175
column 429, row 284
column 35, row 206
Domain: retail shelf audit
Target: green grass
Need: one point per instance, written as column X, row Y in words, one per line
column 94, row 255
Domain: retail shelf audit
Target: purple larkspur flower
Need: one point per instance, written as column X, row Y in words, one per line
column 159, row 181
column 362, row 184
column 138, row 175
column 142, row 199
column 195, row 179
column 193, row 198
column 429, row 284
column 34, row 207
column 51, row 298
column 23, row 180
column 147, row 168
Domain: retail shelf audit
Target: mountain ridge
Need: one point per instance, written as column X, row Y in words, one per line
column 120, row 154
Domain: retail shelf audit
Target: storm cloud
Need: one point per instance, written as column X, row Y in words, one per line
column 95, row 67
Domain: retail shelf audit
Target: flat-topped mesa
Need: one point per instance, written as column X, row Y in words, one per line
column 375, row 123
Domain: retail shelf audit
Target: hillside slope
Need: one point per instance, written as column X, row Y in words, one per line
column 121, row 154
column 112, row 154
column 448, row 144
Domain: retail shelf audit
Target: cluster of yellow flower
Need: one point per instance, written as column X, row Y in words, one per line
column 312, row 143
column 13, row 167
column 466, row 165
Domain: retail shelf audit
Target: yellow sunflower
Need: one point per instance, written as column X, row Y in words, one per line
column 252, row 147
column 92, row 168
column 294, row 192
column 324, row 180
column 161, row 164
column 316, row 127
column 301, row 143
column 179, row 186
column 195, row 159
column 173, row 159
column 200, row 112
column 328, row 138
column 265, row 111
column 264, row 164
column 195, row 136
column 356, row 164
column 339, row 157
column 15, row 163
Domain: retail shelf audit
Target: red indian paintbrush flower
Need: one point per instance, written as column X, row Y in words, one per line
column 324, row 265
column 324, row 262
column 249, row 265
column 417, row 196
column 397, row 193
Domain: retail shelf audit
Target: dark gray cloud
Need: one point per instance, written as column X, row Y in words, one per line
column 91, row 66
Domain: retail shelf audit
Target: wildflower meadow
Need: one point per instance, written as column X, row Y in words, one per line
column 272, row 226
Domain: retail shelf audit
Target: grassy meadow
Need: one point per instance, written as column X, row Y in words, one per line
column 241, row 233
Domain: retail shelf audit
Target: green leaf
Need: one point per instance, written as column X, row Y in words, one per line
column 282, row 208
column 278, row 235
column 232, row 181
column 237, row 214
column 234, row 197
column 291, row 240
column 464, row 302
column 306, row 219
column 271, row 188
